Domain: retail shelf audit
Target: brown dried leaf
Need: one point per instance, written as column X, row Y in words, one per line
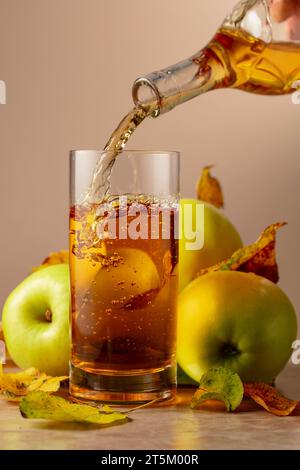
column 59, row 257
column 13, row 386
column 270, row 399
column 258, row 258
column 209, row 189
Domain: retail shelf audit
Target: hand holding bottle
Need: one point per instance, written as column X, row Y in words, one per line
column 289, row 11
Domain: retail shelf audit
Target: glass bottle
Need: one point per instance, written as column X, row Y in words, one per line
column 250, row 52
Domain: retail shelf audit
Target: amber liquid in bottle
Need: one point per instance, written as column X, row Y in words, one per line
column 252, row 65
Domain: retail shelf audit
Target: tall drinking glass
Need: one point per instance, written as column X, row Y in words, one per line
column 123, row 262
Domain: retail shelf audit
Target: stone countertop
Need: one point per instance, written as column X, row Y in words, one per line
column 168, row 426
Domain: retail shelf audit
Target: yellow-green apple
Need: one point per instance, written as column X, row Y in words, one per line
column 237, row 320
column 131, row 274
column 36, row 321
column 217, row 238
column 129, row 278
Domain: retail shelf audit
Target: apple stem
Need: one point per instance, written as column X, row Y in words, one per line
column 48, row 315
column 230, row 350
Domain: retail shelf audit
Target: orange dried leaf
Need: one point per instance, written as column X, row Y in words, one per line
column 1, row 332
column 270, row 399
column 13, row 386
column 258, row 258
column 209, row 189
column 59, row 257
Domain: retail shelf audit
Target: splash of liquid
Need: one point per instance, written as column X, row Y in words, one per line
column 101, row 178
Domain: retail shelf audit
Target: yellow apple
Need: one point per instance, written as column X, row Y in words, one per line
column 237, row 320
column 220, row 239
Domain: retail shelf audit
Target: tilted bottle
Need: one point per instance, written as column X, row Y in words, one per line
column 249, row 52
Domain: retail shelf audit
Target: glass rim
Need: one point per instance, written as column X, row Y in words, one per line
column 162, row 153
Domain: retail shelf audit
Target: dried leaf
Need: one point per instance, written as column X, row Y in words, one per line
column 258, row 258
column 59, row 257
column 219, row 384
column 209, row 189
column 42, row 405
column 1, row 332
column 47, row 384
column 270, row 399
column 13, row 386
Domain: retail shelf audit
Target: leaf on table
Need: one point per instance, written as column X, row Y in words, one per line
column 258, row 258
column 59, row 257
column 219, row 384
column 209, row 189
column 42, row 405
column 13, row 386
column 271, row 399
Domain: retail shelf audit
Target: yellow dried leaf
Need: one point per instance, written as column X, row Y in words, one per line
column 258, row 258
column 59, row 257
column 209, row 189
column 270, row 399
column 51, row 384
column 13, row 386
column 42, row 405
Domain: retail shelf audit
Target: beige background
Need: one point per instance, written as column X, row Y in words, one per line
column 69, row 66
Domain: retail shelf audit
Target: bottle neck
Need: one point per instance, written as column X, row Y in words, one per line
column 163, row 90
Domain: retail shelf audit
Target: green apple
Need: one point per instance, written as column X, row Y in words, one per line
column 35, row 321
column 220, row 239
column 236, row 320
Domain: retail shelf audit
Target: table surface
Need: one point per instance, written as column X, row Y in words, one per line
column 168, row 426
